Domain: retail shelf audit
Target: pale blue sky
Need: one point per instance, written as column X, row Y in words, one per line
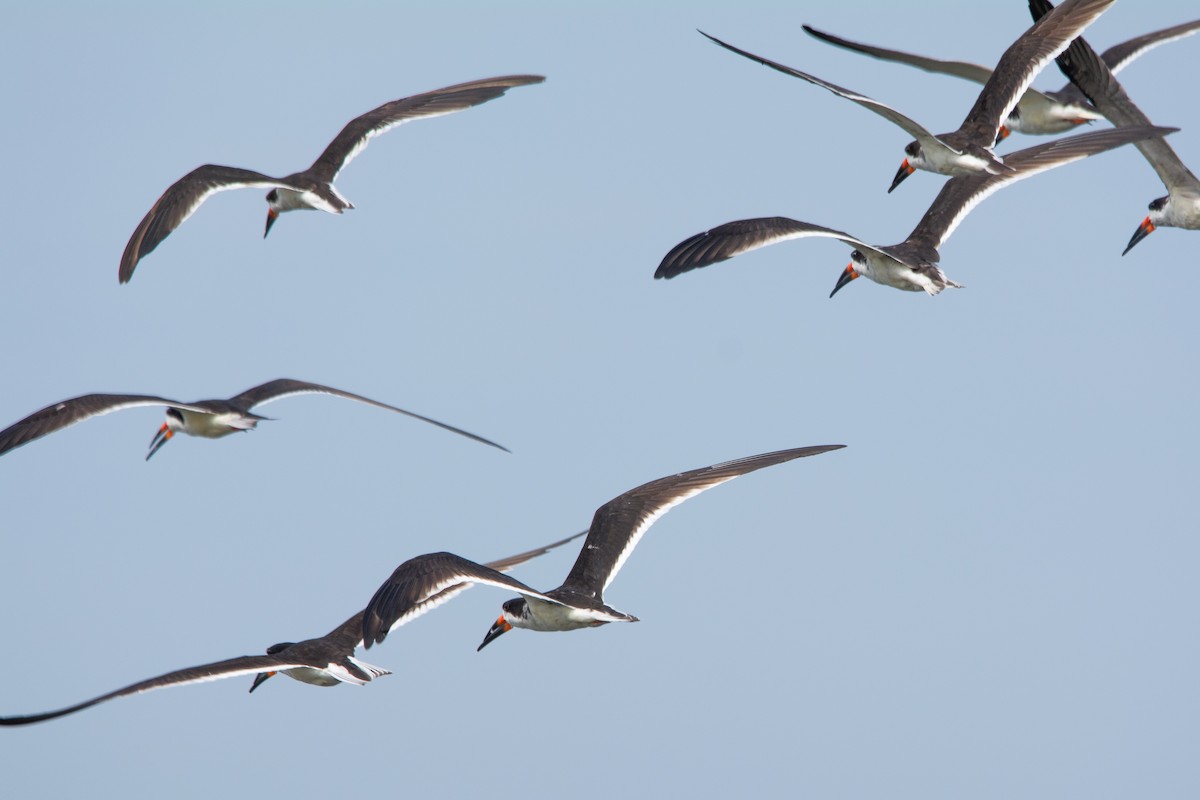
column 990, row 593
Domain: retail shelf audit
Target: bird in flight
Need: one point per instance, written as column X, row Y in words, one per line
column 324, row 661
column 210, row 419
column 911, row 265
column 616, row 528
column 311, row 188
column 968, row 150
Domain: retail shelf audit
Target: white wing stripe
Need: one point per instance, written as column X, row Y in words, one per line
column 637, row 533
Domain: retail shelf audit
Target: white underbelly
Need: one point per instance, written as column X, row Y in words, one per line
column 545, row 616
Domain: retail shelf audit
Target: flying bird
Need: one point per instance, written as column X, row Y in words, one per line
column 1180, row 208
column 325, row 661
column 911, row 265
column 1037, row 113
column 968, row 150
column 616, row 528
column 310, row 188
column 210, row 419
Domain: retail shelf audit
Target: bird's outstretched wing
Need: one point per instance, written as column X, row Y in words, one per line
column 64, row 414
column 619, row 524
column 961, row 194
column 911, row 126
column 741, row 236
column 359, row 131
column 180, row 201
column 218, row 670
column 423, row 583
column 286, row 387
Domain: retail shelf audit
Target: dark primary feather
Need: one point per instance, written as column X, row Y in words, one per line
column 318, row 653
column 439, row 101
column 285, row 387
column 1080, row 63
column 911, row 126
column 1118, row 55
column 617, row 522
column 409, row 590
column 733, row 238
column 416, row 582
column 231, row 667
column 1041, row 41
column 66, row 413
column 178, row 203
column 505, row 564
column 963, row 69
column 959, row 195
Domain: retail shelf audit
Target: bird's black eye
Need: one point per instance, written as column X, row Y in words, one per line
column 272, row 196
column 514, row 606
column 1159, row 204
column 856, row 257
column 912, row 149
column 175, row 414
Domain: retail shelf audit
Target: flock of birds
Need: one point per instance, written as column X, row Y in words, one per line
column 1006, row 104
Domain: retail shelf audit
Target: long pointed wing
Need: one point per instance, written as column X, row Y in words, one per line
column 1022, row 62
column 910, row 125
column 423, row 583
column 1086, row 70
column 619, row 524
column 960, row 195
column 218, row 670
column 734, row 238
column 179, row 202
column 61, row 415
column 1122, row 55
column 962, row 69
column 286, row 387
column 354, row 137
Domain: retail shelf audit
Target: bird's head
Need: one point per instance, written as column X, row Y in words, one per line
column 273, row 209
column 913, row 158
column 272, row 650
column 173, row 422
column 856, row 267
column 511, row 613
column 1158, row 210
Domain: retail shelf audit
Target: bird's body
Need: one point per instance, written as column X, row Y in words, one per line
column 616, row 528
column 1180, row 208
column 209, row 419
column 968, row 150
column 911, row 265
column 311, row 188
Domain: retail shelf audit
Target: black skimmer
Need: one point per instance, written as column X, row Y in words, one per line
column 616, row 528
column 1180, row 208
column 313, row 187
column 1037, row 113
column 968, row 150
column 911, row 265
column 211, row 419
column 325, row 661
